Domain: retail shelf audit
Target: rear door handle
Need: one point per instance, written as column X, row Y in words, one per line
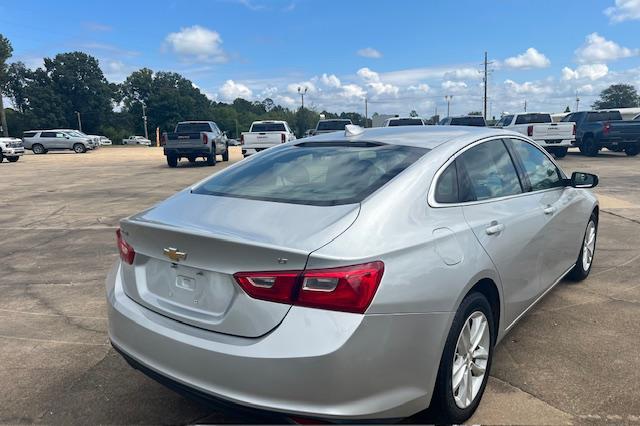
column 549, row 210
column 495, row 229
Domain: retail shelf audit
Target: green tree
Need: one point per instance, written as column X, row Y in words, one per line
column 617, row 96
column 413, row 113
column 16, row 85
column 6, row 50
column 567, row 109
column 475, row 113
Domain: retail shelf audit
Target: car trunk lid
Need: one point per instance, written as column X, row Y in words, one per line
column 186, row 256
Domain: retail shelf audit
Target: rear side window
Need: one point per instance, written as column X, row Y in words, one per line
column 490, row 171
column 333, row 124
column 28, row 134
column 406, row 122
column 321, row 174
column 604, row 116
column 468, row 121
column 533, row 118
column 268, row 127
column 447, row 186
column 192, row 128
column 48, row 134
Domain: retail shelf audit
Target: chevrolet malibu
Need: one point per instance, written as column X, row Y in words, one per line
column 366, row 274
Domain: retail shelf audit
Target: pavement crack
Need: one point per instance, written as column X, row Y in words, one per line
column 621, row 216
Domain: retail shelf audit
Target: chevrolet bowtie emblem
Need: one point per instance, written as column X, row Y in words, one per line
column 175, row 255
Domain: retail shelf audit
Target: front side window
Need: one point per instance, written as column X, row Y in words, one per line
column 490, row 171
column 542, row 173
column 314, row 173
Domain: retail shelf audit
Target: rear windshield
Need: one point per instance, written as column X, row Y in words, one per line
column 604, row 116
column 320, row 174
column 468, row 121
column 332, row 124
column 268, row 127
column 406, row 122
column 193, row 127
column 504, row 121
column 533, row 118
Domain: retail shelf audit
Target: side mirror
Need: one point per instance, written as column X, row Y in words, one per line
column 67, row 137
column 583, row 180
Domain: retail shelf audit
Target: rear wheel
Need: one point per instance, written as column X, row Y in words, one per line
column 589, row 147
column 585, row 258
column 79, row 148
column 211, row 159
column 13, row 159
column 466, row 360
column 1, row 157
column 632, row 150
column 225, row 154
column 172, row 160
column 560, row 152
column 38, row 149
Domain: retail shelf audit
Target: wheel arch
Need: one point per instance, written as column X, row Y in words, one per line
column 489, row 289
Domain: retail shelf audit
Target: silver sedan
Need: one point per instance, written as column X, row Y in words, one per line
column 363, row 274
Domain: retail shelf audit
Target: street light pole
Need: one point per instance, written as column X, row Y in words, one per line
column 302, row 93
column 79, row 122
column 144, row 119
column 448, row 98
column 366, row 112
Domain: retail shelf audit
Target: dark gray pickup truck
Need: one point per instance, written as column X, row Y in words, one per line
column 195, row 139
column 605, row 129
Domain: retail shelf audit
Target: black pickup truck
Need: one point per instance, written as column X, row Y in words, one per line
column 605, row 129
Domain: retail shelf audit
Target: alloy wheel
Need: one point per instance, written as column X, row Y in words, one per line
column 470, row 359
column 589, row 245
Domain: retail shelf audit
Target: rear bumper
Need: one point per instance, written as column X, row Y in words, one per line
column 316, row 363
column 560, row 143
column 185, row 151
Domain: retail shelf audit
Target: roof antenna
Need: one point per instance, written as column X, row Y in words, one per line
column 353, row 130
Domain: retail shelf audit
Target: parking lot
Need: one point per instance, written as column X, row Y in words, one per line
column 573, row 359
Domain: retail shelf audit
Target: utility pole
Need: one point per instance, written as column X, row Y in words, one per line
column 3, row 119
column 448, row 98
column 577, row 102
column 486, row 83
column 366, row 112
column 144, row 119
column 79, row 122
column 302, row 93
column 525, row 105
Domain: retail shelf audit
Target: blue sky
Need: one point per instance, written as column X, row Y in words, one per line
column 401, row 55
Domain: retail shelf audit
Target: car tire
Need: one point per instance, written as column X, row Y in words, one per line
column 632, row 150
column 211, row 159
column 560, row 152
column 172, row 161
column 13, row 159
column 449, row 401
column 225, row 154
column 38, row 149
column 588, row 147
column 588, row 242
column 79, row 148
column 192, row 159
column 1, row 156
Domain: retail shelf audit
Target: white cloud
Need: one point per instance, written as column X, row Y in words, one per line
column 330, row 80
column 624, row 10
column 454, row 86
column 293, row 87
column 353, row 91
column 369, row 52
column 531, row 58
column 587, row 71
column 374, row 83
column 367, row 74
column 462, row 74
column 231, row 90
column 423, row 87
column 527, row 87
column 597, row 49
column 197, row 43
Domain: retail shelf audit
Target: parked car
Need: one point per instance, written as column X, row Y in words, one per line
column 403, row 121
column 94, row 141
column 465, row 120
column 11, row 149
column 43, row 141
column 331, row 125
column 556, row 138
column 136, row 140
column 105, row 141
column 265, row 134
column 350, row 276
column 195, row 139
column 605, row 129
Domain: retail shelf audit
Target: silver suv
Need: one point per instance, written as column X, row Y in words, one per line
column 42, row 141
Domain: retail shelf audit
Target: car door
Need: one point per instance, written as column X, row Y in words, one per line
column 559, row 204
column 47, row 140
column 507, row 222
column 63, row 141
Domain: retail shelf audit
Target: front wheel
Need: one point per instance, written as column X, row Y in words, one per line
column 211, row 159
column 79, row 148
column 13, row 159
column 632, row 150
column 466, row 360
column 589, row 147
column 560, row 152
column 587, row 251
column 225, row 154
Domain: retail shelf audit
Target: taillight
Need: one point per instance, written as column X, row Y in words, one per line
column 283, row 138
column 574, row 129
column 605, row 128
column 241, row 139
column 205, row 139
column 127, row 254
column 530, row 131
column 347, row 289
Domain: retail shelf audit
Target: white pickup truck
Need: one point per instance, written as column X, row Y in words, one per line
column 136, row 140
column 11, row 149
column 265, row 134
column 554, row 137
